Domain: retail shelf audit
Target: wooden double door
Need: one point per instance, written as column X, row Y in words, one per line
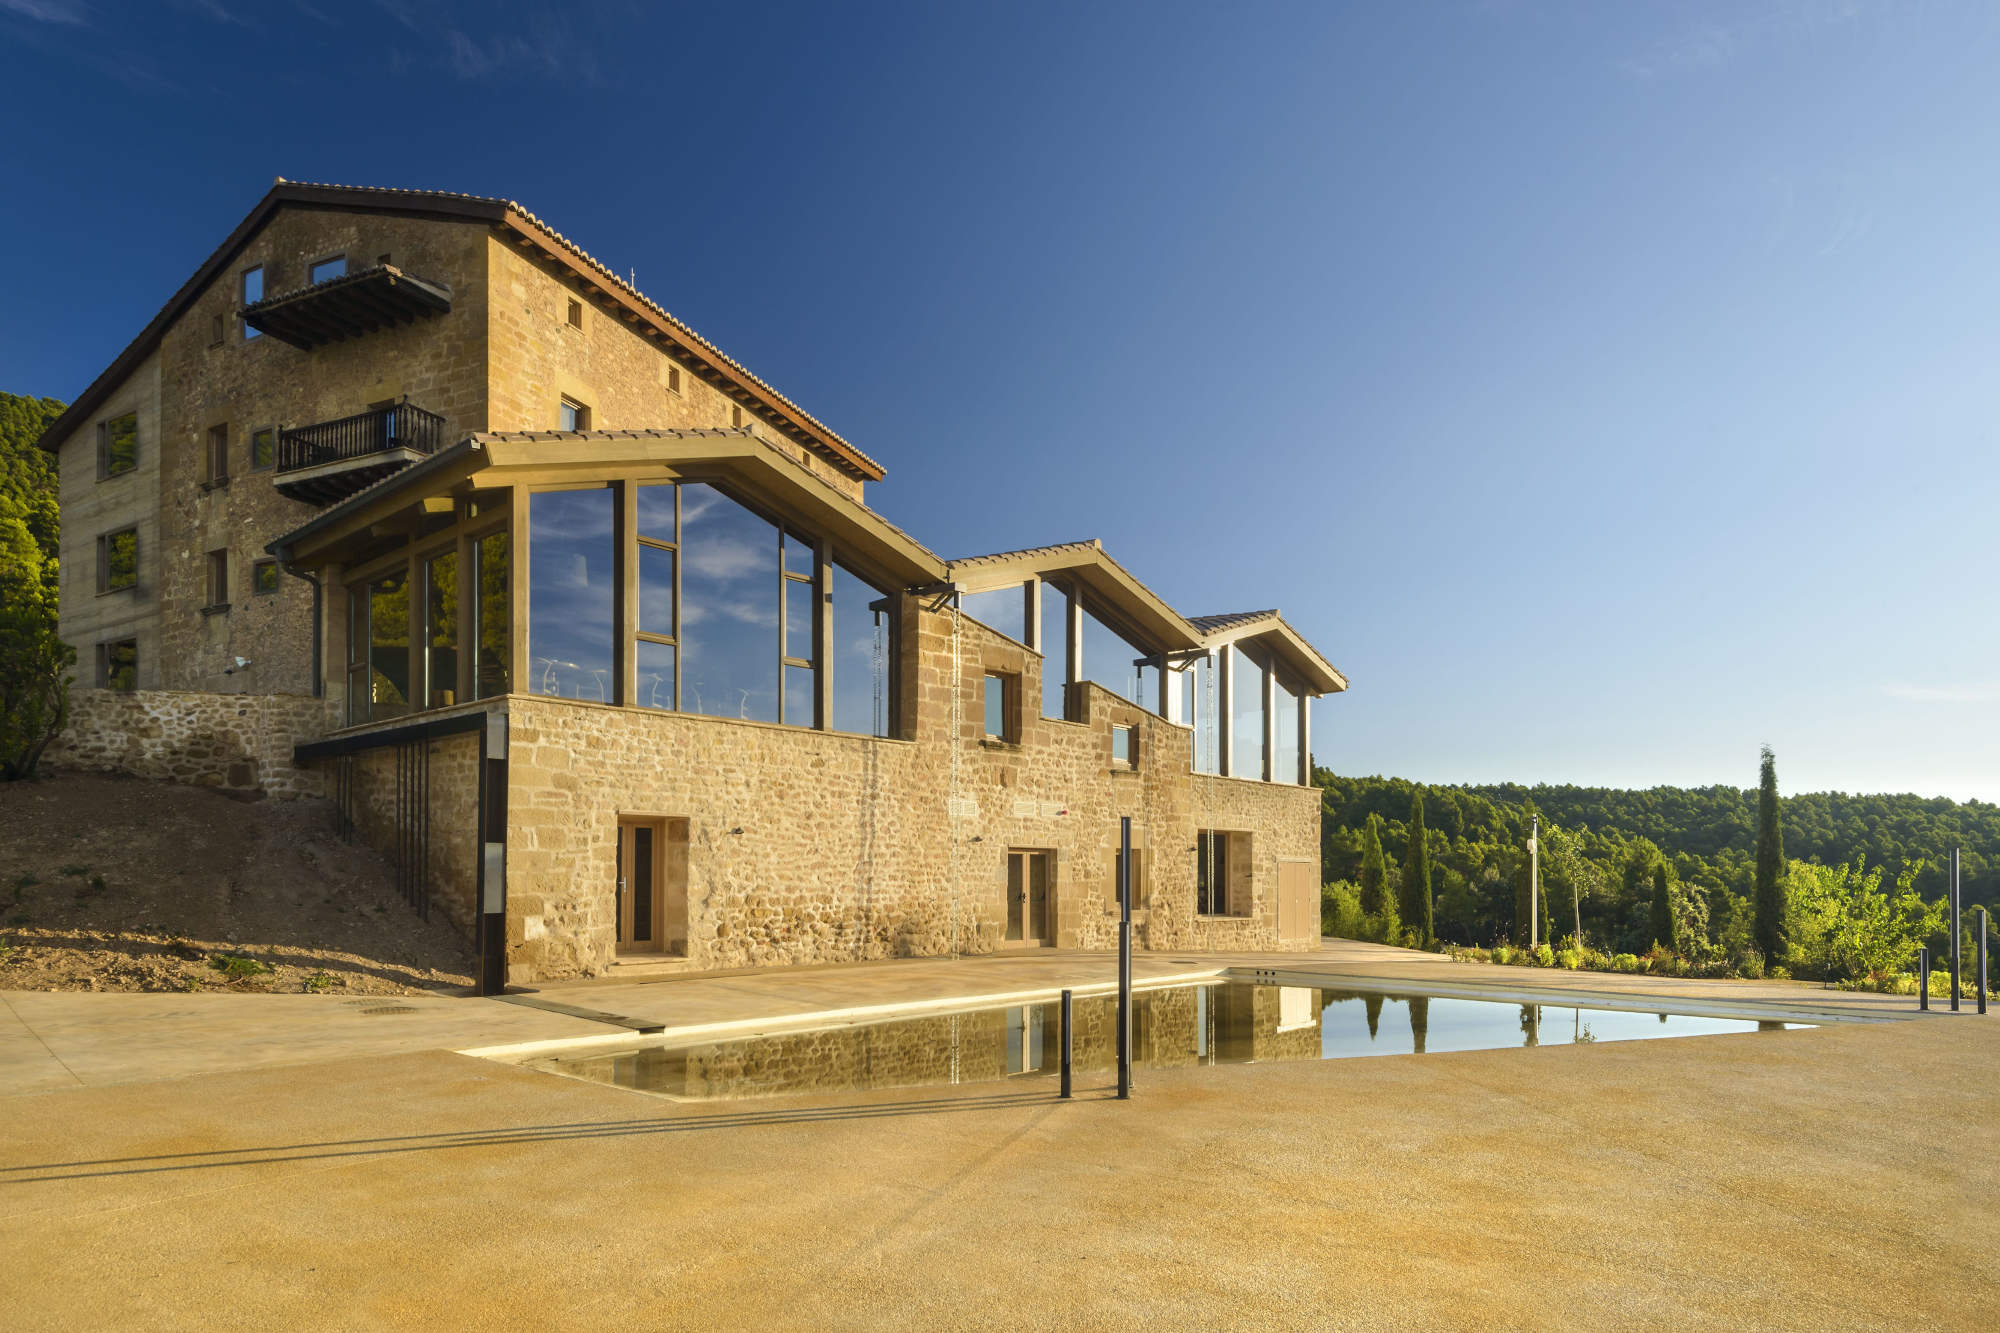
column 1031, row 909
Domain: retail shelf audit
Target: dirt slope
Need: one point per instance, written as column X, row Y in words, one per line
column 110, row 883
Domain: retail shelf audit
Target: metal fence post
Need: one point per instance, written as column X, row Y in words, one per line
column 1065, row 1042
column 1982, row 960
column 1923, row 976
column 1124, row 956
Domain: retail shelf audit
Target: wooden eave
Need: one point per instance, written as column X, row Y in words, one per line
column 1115, row 596
column 347, row 307
column 1300, row 658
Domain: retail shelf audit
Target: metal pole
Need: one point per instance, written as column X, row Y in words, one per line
column 1923, row 976
column 1534, row 883
column 1982, row 960
column 1954, row 930
column 1065, row 1042
column 1124, row 956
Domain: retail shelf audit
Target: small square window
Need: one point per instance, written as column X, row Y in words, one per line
column 118, row 560
column 218, row 581
column 735, row 414
column 217, row 328
column 215, row 458
column 326, row 270
column 118, row 445
column 572, row 415
column 264, row 577
column 674, row 378
column 263, row 447
column 575, row 313
column 118, row 665
column 1123, row 748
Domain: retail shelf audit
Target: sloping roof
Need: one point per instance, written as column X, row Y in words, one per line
column 532, row 231
column 1269, row 627
column 1229, row 620
column 766, row 471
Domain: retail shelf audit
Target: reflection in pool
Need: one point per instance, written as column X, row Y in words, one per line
column 1215, row 1023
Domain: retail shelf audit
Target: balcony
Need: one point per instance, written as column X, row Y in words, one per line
column 331, row 460
column 347, row 307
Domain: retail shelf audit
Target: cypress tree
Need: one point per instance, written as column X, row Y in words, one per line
column 1374, row 872
column 1416, row 903
column 1772, row 930
column 1664, row 933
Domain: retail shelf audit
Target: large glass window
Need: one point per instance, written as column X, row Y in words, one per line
column 654, row 651
column 572, row 593
column 491, row 611
column 730, row 609
column 118, row 445
column 1246, row 715
column 1055, row 649
column 1003, row 609
column 441, row 629
column 1285, row 758
column 388, row 639
column 859, row 655
column 1201, row 702
column 800, row 606
column 1114, row 662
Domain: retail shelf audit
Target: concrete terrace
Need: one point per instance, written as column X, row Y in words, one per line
column 199, row 1158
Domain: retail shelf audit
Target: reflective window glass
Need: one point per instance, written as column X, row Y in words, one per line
column 571, row 593
column 859, row 655
column 491, row 614
column 389, row 646
column 1285, row 757
column 1055, row 648
column 441, row 629
column 1246, row 715
column 653, row 674
column 729, row 610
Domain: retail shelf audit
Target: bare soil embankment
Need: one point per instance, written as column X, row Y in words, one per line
column 120, row 884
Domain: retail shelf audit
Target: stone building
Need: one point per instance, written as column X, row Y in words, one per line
column 405, row 500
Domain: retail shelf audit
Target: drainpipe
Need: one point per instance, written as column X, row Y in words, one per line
column 319, row 631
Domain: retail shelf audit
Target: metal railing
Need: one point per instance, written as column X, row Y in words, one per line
column 398, row 426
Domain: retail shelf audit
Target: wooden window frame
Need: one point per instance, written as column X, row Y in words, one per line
column 215, row 457
column 573, row 316
column 1010, row 707
column 271, row 431
column 104, row 649
column 1130, row 763
column 257, row 588
column 217, row 574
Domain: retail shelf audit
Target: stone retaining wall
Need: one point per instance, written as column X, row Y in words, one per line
column 239, row 741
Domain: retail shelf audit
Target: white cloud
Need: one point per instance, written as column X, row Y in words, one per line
column 1964, row 693
column 48, row 11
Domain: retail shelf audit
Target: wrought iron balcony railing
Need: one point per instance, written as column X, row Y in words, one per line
column 398, row 426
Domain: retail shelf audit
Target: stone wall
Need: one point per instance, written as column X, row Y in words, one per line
column 249, row 384
column 239, row 741
column 627, row 382
column 452, row 844
column 809, row 847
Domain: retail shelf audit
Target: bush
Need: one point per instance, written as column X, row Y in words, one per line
column 1340, row 913
column 1544, row 956
column 1504, row 954
column 34, row 663
column 1626, row 962
column 236, row 965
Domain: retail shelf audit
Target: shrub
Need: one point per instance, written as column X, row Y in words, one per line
column 1504, row 954
column 1340, row 913
column 1750, row 967
column 1544, row 956
column 34, row 663
column 236, row 966
column 1625, row 962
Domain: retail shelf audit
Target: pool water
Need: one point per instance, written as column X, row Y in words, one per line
column 1217, row 1023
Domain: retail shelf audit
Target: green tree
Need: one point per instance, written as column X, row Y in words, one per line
column 28, row 472
column 1664, row 924
column 34, row 663
column 1374, row 870
column 1772, row 926
column 1417, row 907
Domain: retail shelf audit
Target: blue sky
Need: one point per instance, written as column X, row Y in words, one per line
column 1608, row 389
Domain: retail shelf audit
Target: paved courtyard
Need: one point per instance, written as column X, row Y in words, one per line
column 303, row 1161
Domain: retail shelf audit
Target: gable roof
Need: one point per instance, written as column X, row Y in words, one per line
column 1270, row 629
column 528, row 231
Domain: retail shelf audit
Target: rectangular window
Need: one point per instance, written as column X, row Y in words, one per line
column 735, row 415
column 217, row 330
column 118, row 665
column 263, row 447
column 326, row 270
column 1002, row 609
column 572, row 415
column 731, row 621
column 378, row 648
column 1003, row 706
column 655, row 651
column 118, row 560
column 1211, row 874
column 118, row 445
column 575, row 313
column 218, row 580
column 1138, row 875
column 491, row 611
column 1055, row 649
column 1285, row 757
column 861, row 655
column 264, row 578
column 1203, row 699
column 215, row 458
column 253, row 292
column 1123, row 748
column 441, row 629
column 674, row 378
column 1246, row 715
column 572, row 593
column 1118, row 664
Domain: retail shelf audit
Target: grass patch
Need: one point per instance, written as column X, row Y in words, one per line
column 321, row 981
column 236, row 966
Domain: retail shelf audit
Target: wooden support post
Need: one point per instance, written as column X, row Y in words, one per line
column 1270, row 686
column 626, row 542
column 1073, row 657
column 823, row 635
column 1224, row 666
column 519, row 680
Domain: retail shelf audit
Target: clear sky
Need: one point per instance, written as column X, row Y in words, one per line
column 1608, row 389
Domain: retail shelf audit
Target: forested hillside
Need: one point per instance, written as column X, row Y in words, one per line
column 1599, row 846
column 27, row 474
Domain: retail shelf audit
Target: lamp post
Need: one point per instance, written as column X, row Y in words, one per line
column 1534, row 883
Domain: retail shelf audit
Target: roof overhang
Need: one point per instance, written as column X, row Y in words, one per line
column 1269, row 631
column 1110, row 590
column 757, row 470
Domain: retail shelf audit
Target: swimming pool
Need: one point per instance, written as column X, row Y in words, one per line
column 1215, row 1023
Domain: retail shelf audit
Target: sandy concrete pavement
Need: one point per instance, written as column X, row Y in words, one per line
column 1838, row 1177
